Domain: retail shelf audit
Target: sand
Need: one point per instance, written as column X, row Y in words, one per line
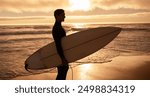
column 120, row 68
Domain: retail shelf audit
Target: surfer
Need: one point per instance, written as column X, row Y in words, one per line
column 58, row 33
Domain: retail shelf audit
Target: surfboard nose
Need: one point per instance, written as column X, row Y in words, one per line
column 119, row 28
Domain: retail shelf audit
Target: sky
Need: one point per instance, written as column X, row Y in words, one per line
column 77, row 11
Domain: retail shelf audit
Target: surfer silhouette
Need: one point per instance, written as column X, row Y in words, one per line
column 58, row 33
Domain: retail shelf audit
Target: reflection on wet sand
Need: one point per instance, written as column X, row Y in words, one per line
column 120, row 68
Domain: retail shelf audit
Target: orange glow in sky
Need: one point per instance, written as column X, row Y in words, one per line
column 77, row 11
column 79, row 5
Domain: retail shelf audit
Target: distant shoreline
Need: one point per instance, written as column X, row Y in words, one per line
column 50, row 24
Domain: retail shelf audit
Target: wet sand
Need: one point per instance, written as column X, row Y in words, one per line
column 120, row 68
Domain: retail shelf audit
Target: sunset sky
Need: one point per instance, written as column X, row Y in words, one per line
column 77, row 11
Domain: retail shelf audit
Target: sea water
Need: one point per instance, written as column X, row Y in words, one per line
column 17, row 42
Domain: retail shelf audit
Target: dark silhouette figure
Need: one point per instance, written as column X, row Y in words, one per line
column 58, row 33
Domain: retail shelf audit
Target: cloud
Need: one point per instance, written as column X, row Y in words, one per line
column 103, row 19
column 113, row 18
column 39, row 7
column 115, row 4
column 31, row 5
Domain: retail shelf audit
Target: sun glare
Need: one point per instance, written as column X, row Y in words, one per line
column 81, row 5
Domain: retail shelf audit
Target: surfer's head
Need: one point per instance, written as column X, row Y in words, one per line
column 59, row 15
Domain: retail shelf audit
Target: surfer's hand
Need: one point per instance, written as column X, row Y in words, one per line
column 64, row 61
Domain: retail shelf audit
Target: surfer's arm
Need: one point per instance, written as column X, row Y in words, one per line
column 59, row 48
column 58, row 37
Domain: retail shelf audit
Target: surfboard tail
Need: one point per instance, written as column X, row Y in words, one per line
column 26, row 66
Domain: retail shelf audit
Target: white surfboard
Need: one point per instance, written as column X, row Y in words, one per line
column 75, row 46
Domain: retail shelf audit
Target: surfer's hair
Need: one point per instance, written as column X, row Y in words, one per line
column 57, row 12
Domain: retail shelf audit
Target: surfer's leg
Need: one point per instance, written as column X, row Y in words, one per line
column 62, row 72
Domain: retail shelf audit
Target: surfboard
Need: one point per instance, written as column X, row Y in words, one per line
column 75, row 46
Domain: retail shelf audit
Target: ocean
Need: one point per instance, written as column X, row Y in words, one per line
column 17, row 42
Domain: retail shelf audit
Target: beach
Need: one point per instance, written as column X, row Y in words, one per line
column 120, row 68
column 127, row 57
